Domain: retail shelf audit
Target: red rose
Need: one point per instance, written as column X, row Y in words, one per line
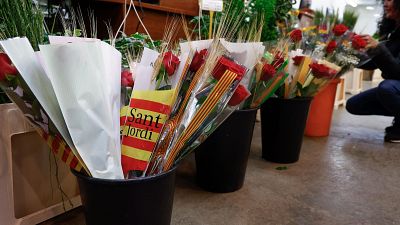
column 241, row 94
column 6, row 67
column 170, row 62
column 358, row 42
column 298, row 59
column 296, row 35
column 198, row 60
column 331, row 47
column 126, row 78
column 339, row 29
column 268, row 71
column 225, row 64
column 322, row 71
column 278, row 60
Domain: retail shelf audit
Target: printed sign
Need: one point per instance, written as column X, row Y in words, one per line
column 212, row 5
column 144, row 120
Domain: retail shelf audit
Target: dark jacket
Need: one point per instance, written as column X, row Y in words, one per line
column 386, row 57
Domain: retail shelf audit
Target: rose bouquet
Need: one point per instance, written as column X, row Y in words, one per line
column 337, row 45
column 270, row 75
column 204, row 85
column 177, row 97
column 320, row 73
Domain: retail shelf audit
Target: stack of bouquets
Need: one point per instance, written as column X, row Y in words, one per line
column 307, row 75
column 178, row 101
column 71, row 92
column 338, row 45
column 270, row 74
column 323, row 55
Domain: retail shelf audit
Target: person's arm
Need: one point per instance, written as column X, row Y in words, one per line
column 367, row 64
column 385, row 61
column 382, row 57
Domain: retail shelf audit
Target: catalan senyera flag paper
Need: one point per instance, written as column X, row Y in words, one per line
column 144, row 119
column 61, row 150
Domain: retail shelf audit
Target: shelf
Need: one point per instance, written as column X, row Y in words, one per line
column 168, row 6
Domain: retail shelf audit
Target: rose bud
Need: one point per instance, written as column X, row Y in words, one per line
column 225, row 64
column 278, row 60
column 298, row 59
column 331, row 47
column 268, row 72
column 6, row 67
column 198, row 60
column 322, row 71
column 296, row 35
column 358, row 42
column 339, row 29
column 170, row 62
column 126, row 79
column 241, row 94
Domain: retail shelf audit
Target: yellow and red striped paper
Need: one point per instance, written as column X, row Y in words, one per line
column 143, row 121
column 61, row 150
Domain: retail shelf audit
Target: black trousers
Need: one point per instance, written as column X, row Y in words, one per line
column 383, row 100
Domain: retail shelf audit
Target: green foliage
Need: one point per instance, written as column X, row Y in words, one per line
column 326, row 18
column 282, row 9
column 266, row 8
column 20, row 18
column 204, row 23
column 233, row 8
column 133, row 45
column 309, row 90
column 268, row 11
column 273, row 11
column 350, row 18
column 318, row 17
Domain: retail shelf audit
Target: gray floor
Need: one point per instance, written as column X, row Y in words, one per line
column 350, row 177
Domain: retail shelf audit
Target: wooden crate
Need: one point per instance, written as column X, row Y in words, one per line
column 29, row 192
column 354, row 81
column 340, row 99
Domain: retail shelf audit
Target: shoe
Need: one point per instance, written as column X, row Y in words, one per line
column 392, row 134
column 395, row 125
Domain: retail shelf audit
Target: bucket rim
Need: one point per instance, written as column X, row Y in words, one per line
column 114, row 181
column 307, row 98
column 247, row 110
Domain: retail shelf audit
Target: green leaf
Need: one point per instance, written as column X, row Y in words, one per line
column 281, row 168
column 201, row 100
column 77, row 32
column 166, row 87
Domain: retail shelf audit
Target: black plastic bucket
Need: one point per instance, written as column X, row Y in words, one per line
column 283, row 123
column 141, row 201
column 221, row 160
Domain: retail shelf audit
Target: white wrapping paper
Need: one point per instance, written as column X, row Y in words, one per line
column 86, row 79
column 28, row 65
column 144, row 71
column 246, row 54
column 292, row 69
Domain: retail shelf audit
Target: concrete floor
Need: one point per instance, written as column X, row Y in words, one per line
column 350, row 177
